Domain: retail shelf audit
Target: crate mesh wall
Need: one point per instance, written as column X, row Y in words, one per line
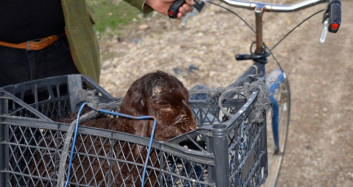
column 34, row 156
column 105, row 158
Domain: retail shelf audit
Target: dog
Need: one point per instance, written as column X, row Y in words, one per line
column 162, row 96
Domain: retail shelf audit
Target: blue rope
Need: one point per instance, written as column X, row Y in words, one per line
column 73, row 143
column 120, row 115
column 151, row 138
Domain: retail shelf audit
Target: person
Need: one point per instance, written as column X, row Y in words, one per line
column 45, row 38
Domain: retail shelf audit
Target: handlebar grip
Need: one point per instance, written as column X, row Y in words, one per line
column 174, row 8
column 335, row 15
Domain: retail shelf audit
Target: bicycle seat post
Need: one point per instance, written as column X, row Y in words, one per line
column 259, row 11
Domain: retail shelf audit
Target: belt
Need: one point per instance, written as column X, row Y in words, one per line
column 35, row 45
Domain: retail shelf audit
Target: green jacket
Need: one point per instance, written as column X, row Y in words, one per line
column 82, row 37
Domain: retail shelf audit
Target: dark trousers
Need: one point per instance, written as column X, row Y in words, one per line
column 19, row 65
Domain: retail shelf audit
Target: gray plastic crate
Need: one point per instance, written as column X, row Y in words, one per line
column 221, row 152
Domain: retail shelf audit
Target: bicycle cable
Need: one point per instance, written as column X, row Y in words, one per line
column 285, row 36
column 236, row 14
column 252, row 29
column 298, row 25
column 274, row 58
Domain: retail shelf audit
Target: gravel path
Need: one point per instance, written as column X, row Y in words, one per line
column 320, row 144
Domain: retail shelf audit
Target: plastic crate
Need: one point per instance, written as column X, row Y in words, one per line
column 221, row 152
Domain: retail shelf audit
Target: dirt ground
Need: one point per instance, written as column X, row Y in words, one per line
column 320, row 144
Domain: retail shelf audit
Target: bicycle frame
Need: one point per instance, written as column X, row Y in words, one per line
column 260, row 56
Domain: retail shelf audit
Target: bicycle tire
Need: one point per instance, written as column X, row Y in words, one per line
column 283, row 97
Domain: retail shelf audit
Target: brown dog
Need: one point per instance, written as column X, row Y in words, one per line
column 162, row 96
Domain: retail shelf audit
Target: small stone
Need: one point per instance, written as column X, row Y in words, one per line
column 135, row 40
column 140, row 16
column 143, row 27
column 120, row 39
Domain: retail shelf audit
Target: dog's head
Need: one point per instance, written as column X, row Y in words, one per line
column 163, row 96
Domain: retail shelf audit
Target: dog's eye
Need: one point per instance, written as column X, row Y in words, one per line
column 163, row 104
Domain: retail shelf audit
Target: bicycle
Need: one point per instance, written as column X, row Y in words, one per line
column 223, row 151
column 276, row 81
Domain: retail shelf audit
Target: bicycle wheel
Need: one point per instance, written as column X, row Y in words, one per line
column 275, row 158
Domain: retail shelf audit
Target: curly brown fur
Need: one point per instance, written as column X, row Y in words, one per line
column 163, row 96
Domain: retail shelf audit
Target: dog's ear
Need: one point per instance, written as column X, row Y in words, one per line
column 134, row 101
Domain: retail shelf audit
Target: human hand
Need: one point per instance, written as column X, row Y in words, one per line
column 162, row 6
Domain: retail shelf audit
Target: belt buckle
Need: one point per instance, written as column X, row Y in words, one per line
column 27, row 46
column 37, row 40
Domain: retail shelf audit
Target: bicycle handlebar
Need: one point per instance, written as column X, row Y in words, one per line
column 334, row 8
column 334, row 11
column 268, row 7
column 332, row 17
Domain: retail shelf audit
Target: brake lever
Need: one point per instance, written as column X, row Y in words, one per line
column 324, row 32
column 197, row 7
column 187, row 16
